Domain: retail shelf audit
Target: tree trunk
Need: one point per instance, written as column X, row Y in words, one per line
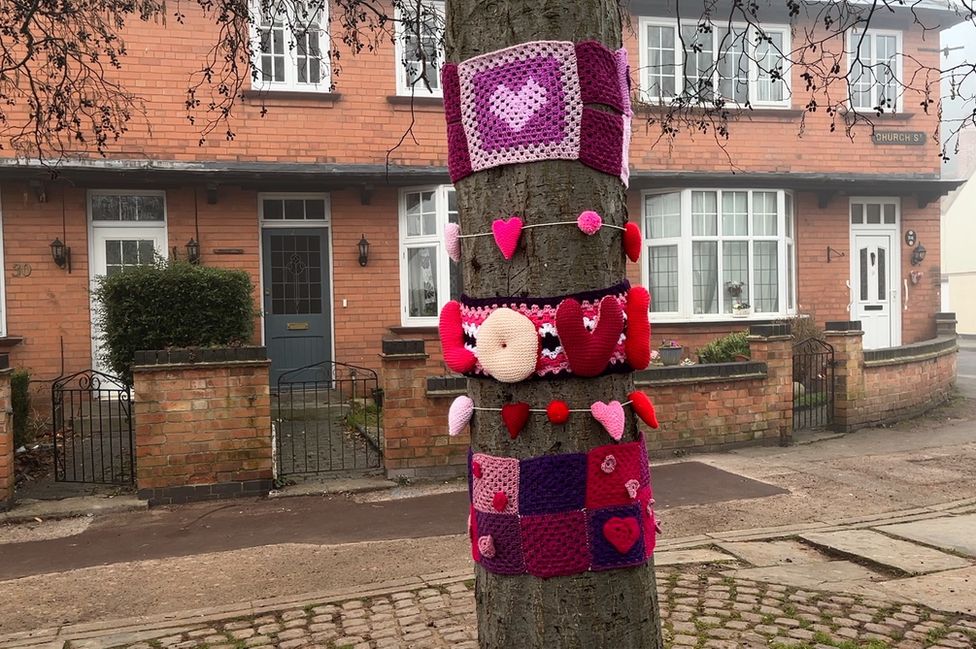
column 618, row 608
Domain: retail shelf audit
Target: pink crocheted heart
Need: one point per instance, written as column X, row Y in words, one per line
column 486, row 546
column 459, row 415
column 589, row 222
column 622, row 533
column 517, row 108
column 452, row 241
column 632, row 486
column 507, row 234
column 499, row 501
column 611, row 416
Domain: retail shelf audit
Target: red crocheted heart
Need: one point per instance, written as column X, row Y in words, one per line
column 588, row 353
column 507, row 234
column 499, row 501
column 643, row 408
column 456, row 357
column 632, row 241
column 558, row 412
column 638, row 343
column 515, row 416
column 622, row 533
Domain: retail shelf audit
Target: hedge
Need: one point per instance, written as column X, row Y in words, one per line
column 725, row 349
column 20, row 404
column 171, row 304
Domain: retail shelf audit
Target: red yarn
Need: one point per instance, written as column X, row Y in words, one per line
column 558, row 412
column 456, row 357
column 638, row 343
column 476, row 469
column 515, row 416
column 589, row 353
column 632, row 241
column 499, row 501
column 643, row 408
column 622, row 533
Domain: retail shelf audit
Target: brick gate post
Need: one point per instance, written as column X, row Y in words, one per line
column 6, row 439
column 773, row 345
column 847, row 339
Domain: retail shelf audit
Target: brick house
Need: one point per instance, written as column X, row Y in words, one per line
column 806, row 225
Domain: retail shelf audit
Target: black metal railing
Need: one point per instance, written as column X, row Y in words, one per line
column 328, row 419
column 91, row 428
column 813, row 384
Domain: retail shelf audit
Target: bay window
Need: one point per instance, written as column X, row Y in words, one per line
column 291, row 46
column 715, row 253
column 428, row 277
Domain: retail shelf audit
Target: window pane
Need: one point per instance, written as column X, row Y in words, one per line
column 764, row 214
column 663, row 216
column 789, row 276
column 735, row 265
column 422, row 282
column 413, row 215
column 874, row 213
column 421, row 39
column 699, row 60
column 889, row 213
column 735, row 214
column 704, row 214
column 315, row 209
column 705, row 273
column 452, row 206
column 105, row 208
column 861, row 72
column 857, row 213
column 767, row 276
column 662, row 267
column 429, row 213
column 788, row 199
column 660, row 61
column 274, row 209
column 770, row 86
column 294, row 209
column 885, row 71
column 733, row 66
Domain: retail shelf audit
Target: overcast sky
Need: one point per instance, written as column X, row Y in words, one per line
column 961, row 36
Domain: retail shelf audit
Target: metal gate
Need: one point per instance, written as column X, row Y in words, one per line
column 813, row 384
column 328, row 420
column 92, row 429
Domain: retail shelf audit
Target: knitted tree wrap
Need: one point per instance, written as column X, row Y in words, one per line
column 589, row 352
column 508, row 346
column 498, row 475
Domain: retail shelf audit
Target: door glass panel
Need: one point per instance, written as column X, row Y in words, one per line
column 125, row 253
column 296, row 274
column 889, row 214
column 874, row 213
column 864, row 273
column 857, row 213
column 882, row 289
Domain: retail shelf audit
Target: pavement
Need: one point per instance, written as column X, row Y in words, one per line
column 966, row 369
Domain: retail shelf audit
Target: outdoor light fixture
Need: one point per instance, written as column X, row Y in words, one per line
column 193, row 251
column 363, row 251
column 918, row 255
column 61, row 254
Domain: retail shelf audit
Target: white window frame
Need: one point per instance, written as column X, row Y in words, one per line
column 296, row 223
column 893, row 230
column 685, row 312
column 291, row 83
column 851, row 42
column 418, row 88
column 435, row 240
column 679, row 60
column 3, row 277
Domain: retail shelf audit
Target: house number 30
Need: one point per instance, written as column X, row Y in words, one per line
column 22, row 270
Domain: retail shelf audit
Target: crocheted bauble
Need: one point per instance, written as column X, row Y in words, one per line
column 589, row 222
column 499, row 501
column 515, row 416
column 456, row 356
column 611, row 417
column 452, row 241
column 459, row 414
column 643, row 408
column 508, row 346
column 557, row 412
column 556, row 544
column 589, row 352
column 507, row 234
column 638, row 343
column 632, row 241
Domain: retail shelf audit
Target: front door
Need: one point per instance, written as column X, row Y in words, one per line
column 297, row 314
column 875, row 288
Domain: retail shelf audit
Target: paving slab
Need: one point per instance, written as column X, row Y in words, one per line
column 953, row 591
column 802, row 576
column 910, row 558
column 773, row 553
column 682, row 557
column 955, row 533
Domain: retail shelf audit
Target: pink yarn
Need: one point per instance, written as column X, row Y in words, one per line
column 589, row 222
column 452, row 241
column 611, row 416
column 632, row 486
column 486, row 545
column 459, row 415
column 609, row 464
column 507, row 235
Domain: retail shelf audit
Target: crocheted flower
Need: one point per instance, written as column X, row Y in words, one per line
column 609, row 464
column 486, row 546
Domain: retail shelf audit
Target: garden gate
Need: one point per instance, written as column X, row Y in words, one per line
column 813, row 384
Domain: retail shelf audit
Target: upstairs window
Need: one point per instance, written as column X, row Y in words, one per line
column 741, row 64
column 291, row 46
column 875, row 65
column 419, row 47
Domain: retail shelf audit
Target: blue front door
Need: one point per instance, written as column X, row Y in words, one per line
column 297, row 300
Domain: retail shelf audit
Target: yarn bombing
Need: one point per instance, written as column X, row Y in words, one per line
column 452, row 241
column 507, row 235
column 508, row 346
column 611, row 417
column 589, row 352
column 459, row 414
column 633, row 242
column 529, row 102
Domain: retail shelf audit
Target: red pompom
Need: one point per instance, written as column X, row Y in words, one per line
column 558, row 412
column 643, row 408
column 515, row 416
column 638, row 344
column 632, row 241
column 456, row 357
column 499, row 501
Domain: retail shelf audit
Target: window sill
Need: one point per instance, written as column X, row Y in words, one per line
column 406, row 330
column 868, row 114
column 422, row 103
column 276, row 96
column 761, row 318
column 7, row 342
column 652, row 110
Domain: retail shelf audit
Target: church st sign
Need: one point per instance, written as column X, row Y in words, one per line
column 910, row 138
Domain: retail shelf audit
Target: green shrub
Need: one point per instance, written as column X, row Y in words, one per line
column 20, row 404
column 804, row 327
column 725, row 349
column 171, row 304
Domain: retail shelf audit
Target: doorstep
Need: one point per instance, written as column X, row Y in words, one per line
column 30, row 510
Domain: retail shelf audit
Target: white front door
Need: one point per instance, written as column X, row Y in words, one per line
column 875, row 291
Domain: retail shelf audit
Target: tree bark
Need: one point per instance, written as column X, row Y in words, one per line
column 618, row 608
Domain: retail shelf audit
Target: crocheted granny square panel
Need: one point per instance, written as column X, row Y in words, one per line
column 552, row 483
column 605, row 555
column 498, row 475
column 506, row 535
column 609, row 469
column 555, row 544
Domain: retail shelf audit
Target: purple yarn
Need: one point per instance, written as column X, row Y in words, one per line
column 506, row 534
column 552, row 483
column 605, row 555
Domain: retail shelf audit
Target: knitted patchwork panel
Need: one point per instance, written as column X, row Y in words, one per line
column 499, row 475
column 527, row 103
column 610, row 548
column 552, row 483
column 506, row 537
column 609, row 470
column 555, row 545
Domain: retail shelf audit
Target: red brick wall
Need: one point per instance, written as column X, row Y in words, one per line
column 7, row 474
column 901, row 390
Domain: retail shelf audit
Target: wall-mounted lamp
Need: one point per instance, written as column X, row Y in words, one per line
column 363, row 251
column 193, row 251
column 918, row 255
column 61, row 254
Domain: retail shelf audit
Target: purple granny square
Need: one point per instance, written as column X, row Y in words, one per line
column 552, row 483
column 506, row 543
column 555, row 544
column 616, row 537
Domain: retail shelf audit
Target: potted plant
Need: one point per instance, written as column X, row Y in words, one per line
column 741, row 309
column 671, row 352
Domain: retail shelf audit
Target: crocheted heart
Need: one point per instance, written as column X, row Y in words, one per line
column 589, row 222
column 643, row 408
column 622, row 533
column 515, row 416
column 486, row 546
column 452, row 241
column 611, row 416
column 459, row 415
column 456, row 357
column 558, row 412
column 589, row 353
column 507, row 234
column 499, row 501
column 517, row 108
column 638, row 343
column 632, row 241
